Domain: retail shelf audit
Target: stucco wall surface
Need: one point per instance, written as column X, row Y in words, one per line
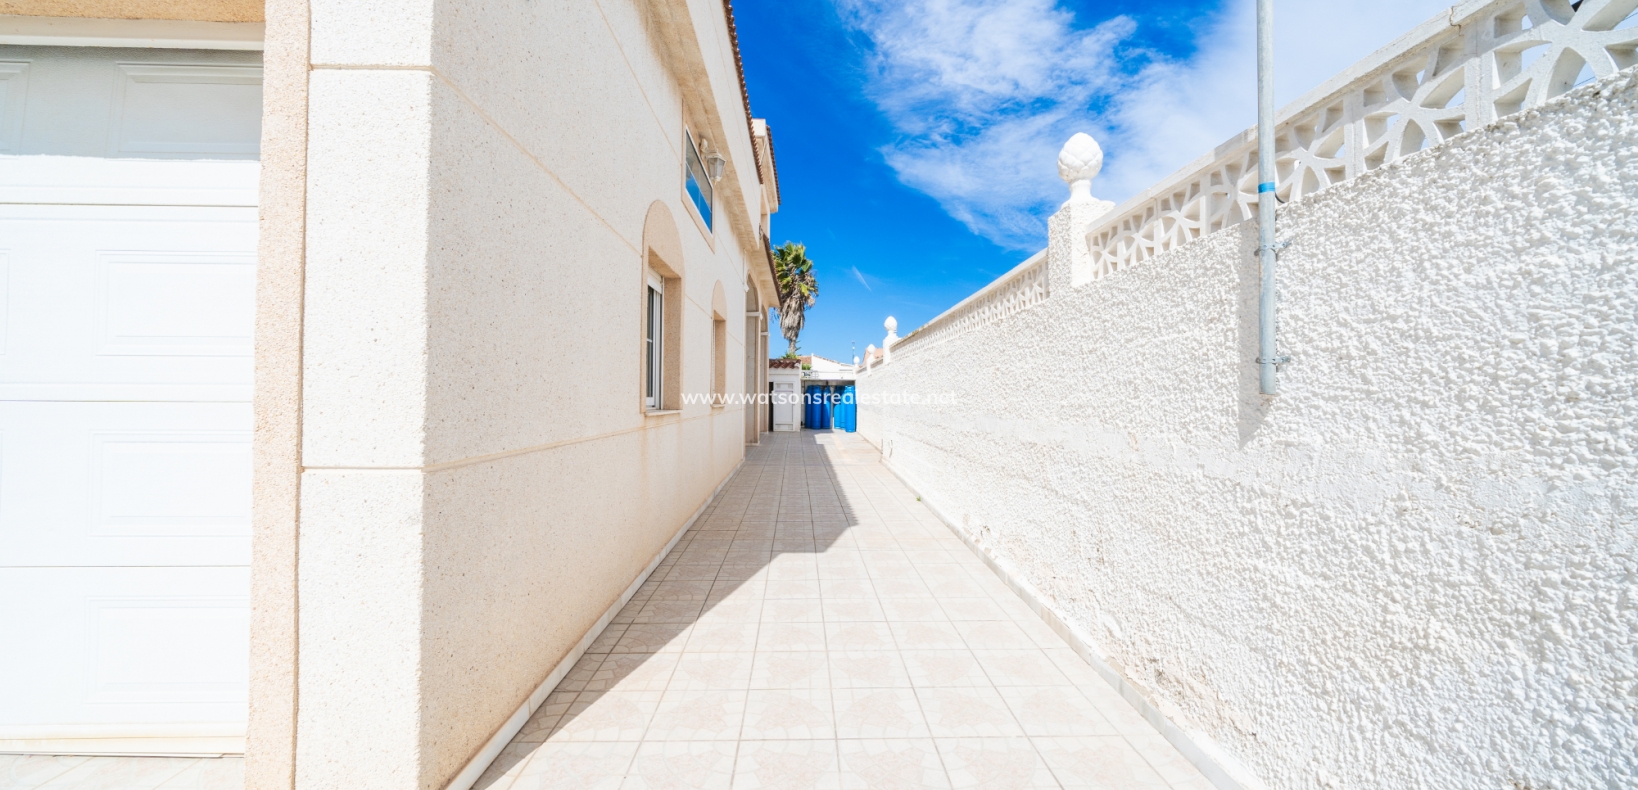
column 197, row 10
column 473, row 438
column 1414, row 568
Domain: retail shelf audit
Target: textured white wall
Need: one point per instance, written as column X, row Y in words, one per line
column 1415, row 567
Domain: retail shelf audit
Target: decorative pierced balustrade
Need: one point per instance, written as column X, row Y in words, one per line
column 1476, row 63
column 1022, row 287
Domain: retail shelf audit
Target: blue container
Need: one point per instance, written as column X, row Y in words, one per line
column 826, row 406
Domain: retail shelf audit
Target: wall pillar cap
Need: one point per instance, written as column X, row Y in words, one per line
column 1080, row 161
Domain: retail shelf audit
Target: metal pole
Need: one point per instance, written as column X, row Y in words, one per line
column 1267, row 177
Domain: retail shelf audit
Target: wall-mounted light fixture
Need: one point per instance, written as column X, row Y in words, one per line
column 714, row 166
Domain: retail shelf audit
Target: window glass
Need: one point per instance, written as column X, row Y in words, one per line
column 699, row 186
column 652, row 348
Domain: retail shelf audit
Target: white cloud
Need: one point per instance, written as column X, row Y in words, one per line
column 858, row 275
column 984, row 92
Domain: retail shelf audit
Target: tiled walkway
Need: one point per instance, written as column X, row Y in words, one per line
column 819, row 628
column 48, row 772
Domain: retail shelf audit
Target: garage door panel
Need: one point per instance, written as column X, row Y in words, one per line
column 124, row 484
column 120, row 295
column 115, row 645
column 128, row 225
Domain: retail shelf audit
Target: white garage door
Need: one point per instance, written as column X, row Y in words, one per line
column 127, row 281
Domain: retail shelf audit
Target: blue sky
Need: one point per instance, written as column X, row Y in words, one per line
column 917, row 139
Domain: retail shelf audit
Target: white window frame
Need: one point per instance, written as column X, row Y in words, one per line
column 654, row 343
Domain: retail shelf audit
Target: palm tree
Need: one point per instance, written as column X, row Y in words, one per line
column 797, row 288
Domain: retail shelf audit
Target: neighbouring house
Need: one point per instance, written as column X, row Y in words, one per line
column 358, row 359
column 817, row 367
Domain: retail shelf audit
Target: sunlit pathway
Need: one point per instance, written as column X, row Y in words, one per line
column 820, row 628
column 58, row 772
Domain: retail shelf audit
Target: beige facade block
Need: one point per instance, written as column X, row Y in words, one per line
column 195, row 10
column 374, row 32
column 361, row 717
column 271, row 730
column 366, row 322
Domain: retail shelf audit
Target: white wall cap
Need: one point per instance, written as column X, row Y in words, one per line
column 40, row 31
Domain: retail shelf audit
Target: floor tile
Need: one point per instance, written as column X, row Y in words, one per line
column 120, row 773
column 698, row 715
column 974, row 609
column 793, row 588
column 694, row 765
column 574, row 766
column 653, row 638
column 582, row 672
column 847, row 588
column 945, row 668
column 1013, row 667
column 220, row 773
column 793, row 610
column 927, row 636
column 694, row 590
column 27, row 771
column 608, row 716
column 788, row 714
column 878, row 713
column 891, row 764
column 994, row 764
column 992, row 635
column 703, row 671
column 858, row 636
column 901, row 585
column 1167, row 761
column 791, row 669
column 1055, row 711
column 868, row 669
column 787, row 765
column 633, row 672
column 791, row 636
column 545, row 719
column 1104, row 762
column 505, row 770
column 606, row 641
column 841, row 610
column 899, row 610
column 972, row 712
column 714, row 635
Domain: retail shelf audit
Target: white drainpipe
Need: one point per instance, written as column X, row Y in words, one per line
column 1267, row 179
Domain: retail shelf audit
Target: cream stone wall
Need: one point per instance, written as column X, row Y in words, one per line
column 1412, row 568
column 271, row 733
column 195, row 10
column 480, row 483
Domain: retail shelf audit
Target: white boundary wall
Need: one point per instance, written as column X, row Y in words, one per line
column 1415, row 566
column 1464, row 68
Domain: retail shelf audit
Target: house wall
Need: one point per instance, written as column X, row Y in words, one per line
column 479, row 481
column 1414, row 566
column 270, row 736
column 195, row 10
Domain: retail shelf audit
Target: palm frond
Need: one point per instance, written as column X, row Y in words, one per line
column 798, row 289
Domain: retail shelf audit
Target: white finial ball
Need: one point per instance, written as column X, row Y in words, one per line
column 1081, row 159
column 891, row 324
